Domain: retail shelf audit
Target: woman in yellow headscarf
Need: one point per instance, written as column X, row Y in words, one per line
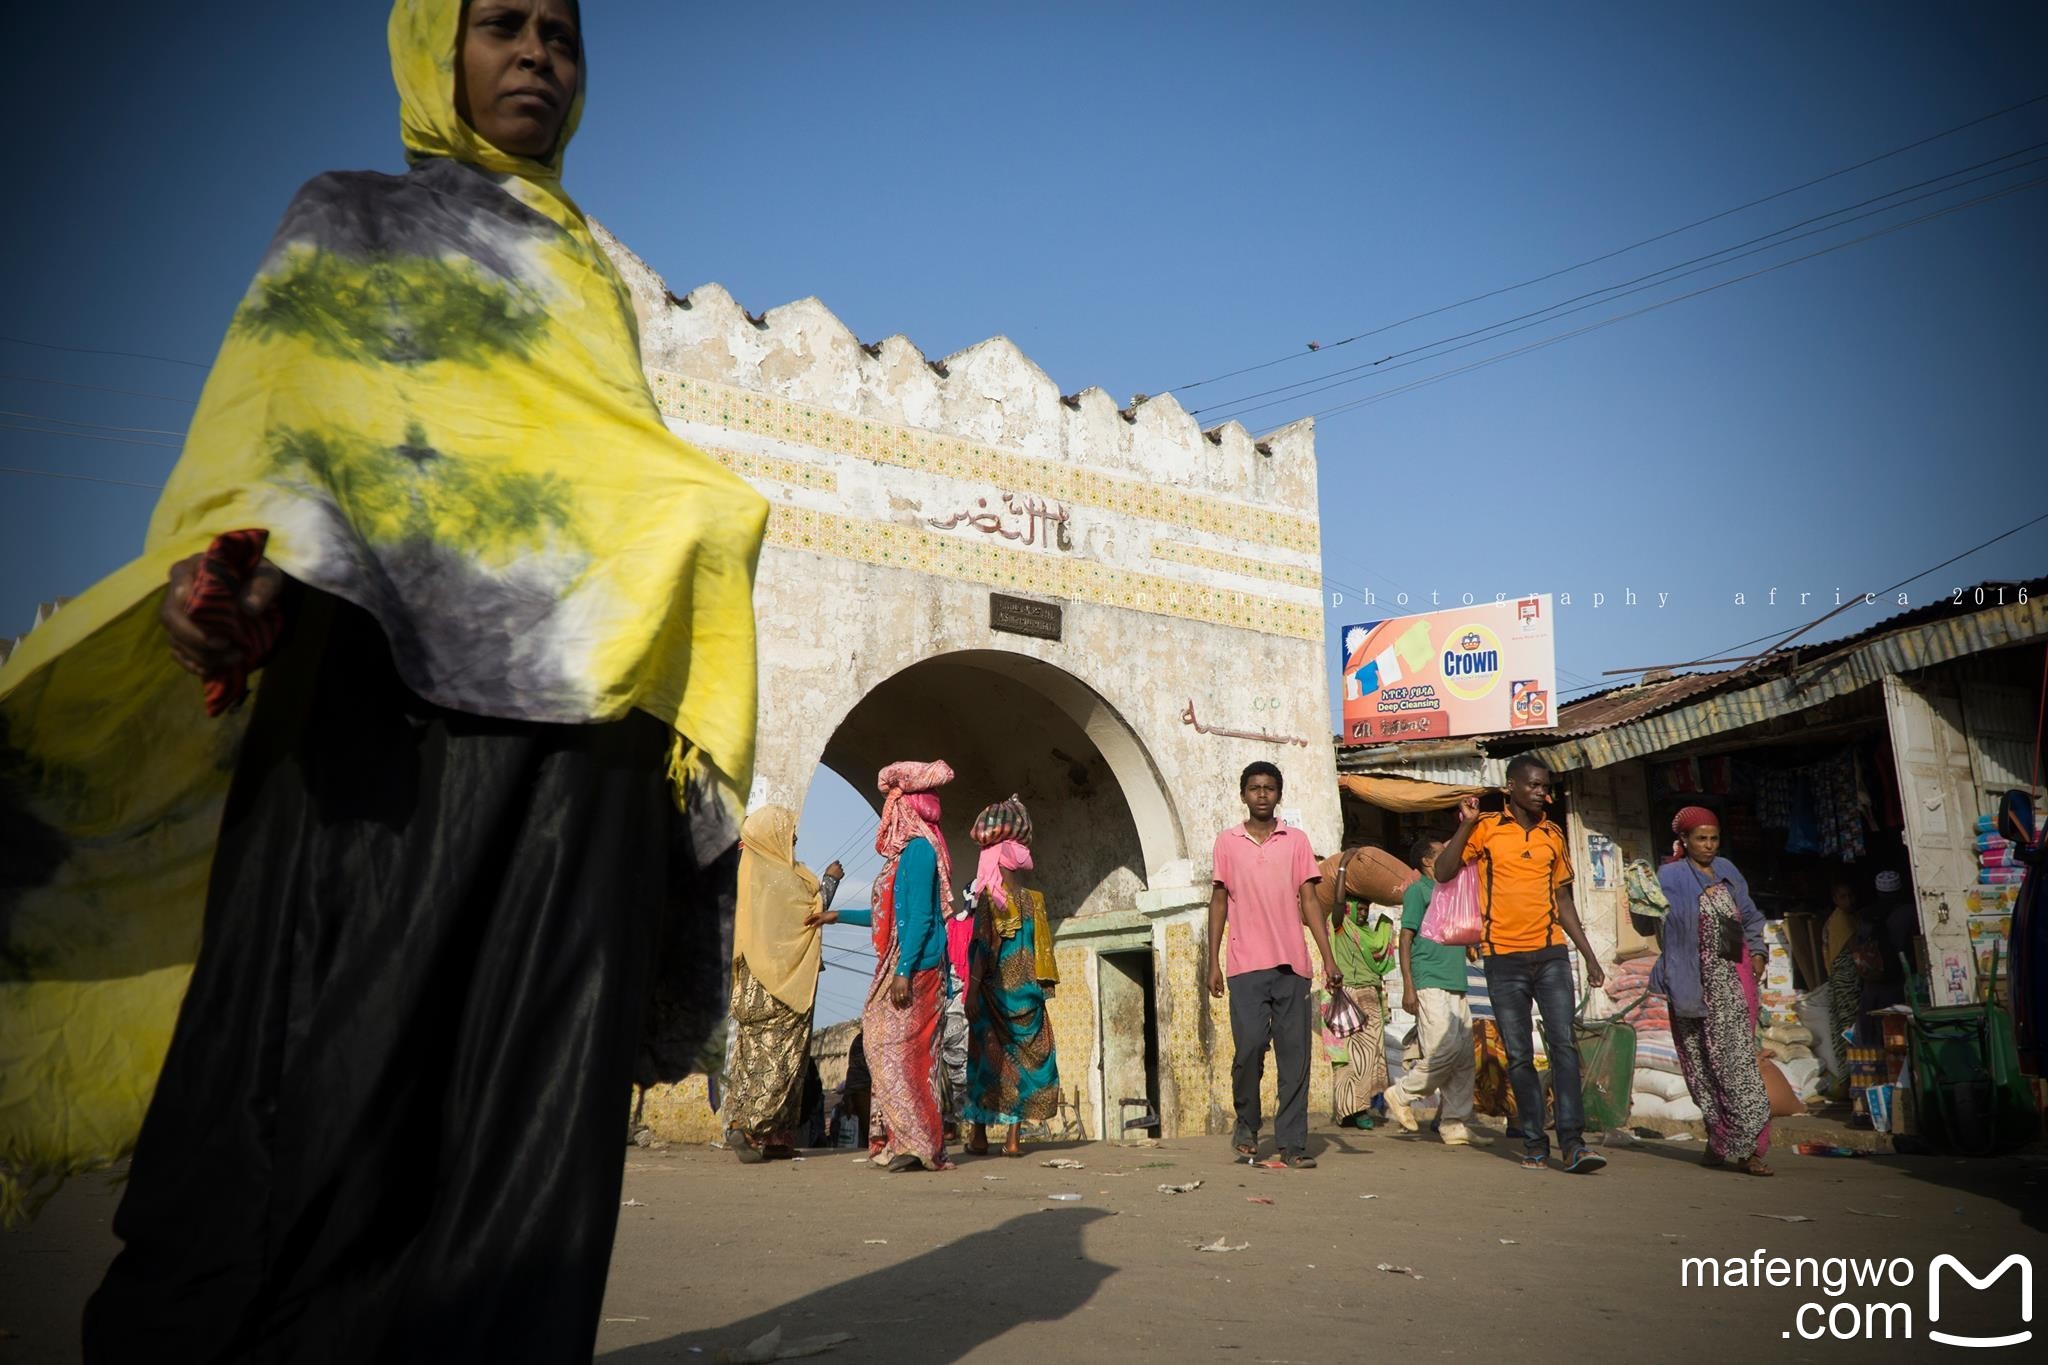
column 477, row 828
column 775, row 954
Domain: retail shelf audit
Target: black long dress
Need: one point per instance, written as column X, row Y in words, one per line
column 391, row 1124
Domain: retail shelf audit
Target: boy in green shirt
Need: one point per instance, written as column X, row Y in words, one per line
column 1433, row 990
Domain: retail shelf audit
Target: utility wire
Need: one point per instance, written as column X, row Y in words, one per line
column 89, row 436
column 1666, row 303
column 82, row 478
column 1506, row 330
column 1619, row 251
column 1904, row 582
column 1622, row 289
column 87, row 350
column 96, row 388
column 1882, row 592
column 97, row 426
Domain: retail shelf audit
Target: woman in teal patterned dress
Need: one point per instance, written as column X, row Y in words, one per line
column 1013, row 1072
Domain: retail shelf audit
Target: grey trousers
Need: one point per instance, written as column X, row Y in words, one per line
column 953, row 1054
column 1271, row 1004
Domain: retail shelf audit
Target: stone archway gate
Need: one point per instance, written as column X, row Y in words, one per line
column 1157, row 583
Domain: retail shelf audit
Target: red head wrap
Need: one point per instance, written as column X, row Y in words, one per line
column 1685, row 822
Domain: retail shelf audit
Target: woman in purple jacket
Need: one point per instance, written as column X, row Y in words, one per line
column 1711, row 925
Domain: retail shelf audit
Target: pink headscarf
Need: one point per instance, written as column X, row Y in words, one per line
column 996, row 859
column 1684, row 823
column 910, row 811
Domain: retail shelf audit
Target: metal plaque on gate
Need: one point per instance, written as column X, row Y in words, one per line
column 1022, row 616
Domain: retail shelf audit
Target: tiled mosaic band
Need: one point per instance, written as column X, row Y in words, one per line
column 770, row 469
column 1047, row 575
column 717, row 405
column 1202, row 558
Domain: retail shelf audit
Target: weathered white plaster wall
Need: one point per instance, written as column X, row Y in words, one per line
column 1186, row 564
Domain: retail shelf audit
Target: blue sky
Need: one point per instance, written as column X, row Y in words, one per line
column 1146, row 195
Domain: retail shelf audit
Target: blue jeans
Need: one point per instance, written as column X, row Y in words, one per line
column 1518, row 983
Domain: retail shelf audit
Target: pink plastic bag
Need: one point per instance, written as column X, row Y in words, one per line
column 1453, row 915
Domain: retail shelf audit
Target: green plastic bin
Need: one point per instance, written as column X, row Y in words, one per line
column 1607, row 1064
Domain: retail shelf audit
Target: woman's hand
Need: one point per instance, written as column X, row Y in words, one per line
column 818, row 917
column 1757, row 963
column 899, row 992
column 833, row 869
column 195, row 651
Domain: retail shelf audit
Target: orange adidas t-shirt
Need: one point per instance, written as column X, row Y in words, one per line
column 1519, row 873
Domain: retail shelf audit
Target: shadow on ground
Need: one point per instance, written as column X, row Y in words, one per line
column 940, row 1306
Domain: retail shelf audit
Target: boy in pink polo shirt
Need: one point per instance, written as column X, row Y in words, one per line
column 1264, row 870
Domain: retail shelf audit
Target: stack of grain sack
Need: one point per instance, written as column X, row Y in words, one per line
column 1784, row 1036
column 1659, row 1089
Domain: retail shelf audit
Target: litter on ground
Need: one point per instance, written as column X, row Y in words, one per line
column 768, row 1348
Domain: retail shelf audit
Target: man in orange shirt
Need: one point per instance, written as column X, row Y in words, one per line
column 1525, row 896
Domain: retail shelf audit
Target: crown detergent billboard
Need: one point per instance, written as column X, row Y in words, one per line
column 1474, row 670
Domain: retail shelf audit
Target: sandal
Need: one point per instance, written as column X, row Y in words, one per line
column 904, row 1163
column 1755, row 1166
column 1299, row 1161
column 743, row 1147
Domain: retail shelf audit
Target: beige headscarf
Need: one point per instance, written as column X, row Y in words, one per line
column 776, row 893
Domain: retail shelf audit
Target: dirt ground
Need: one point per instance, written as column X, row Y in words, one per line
column 983, row 1264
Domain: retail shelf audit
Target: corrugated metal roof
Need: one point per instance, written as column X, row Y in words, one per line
column 1643, row 718
column 1784, row 686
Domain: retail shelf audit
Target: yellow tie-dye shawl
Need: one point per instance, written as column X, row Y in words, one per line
column 432, row 399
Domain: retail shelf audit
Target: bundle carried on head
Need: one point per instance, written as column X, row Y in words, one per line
column 911, row 776
column 1005, row 821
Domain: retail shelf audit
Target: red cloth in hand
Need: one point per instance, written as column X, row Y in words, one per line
column 215, row 603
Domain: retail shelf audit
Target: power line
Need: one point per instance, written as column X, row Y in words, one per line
column 97, row 426
column 1883, row 592
column 82, row 478
column 1665, row 303
column 87, row 350
column 89, row 436
column 1619, row 251
column 96, row 388
column 1905, row 582
column 1618, row 292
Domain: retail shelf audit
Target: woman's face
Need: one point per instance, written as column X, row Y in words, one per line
column 1703, row 843
column 1844, row 896
column 519, row 66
